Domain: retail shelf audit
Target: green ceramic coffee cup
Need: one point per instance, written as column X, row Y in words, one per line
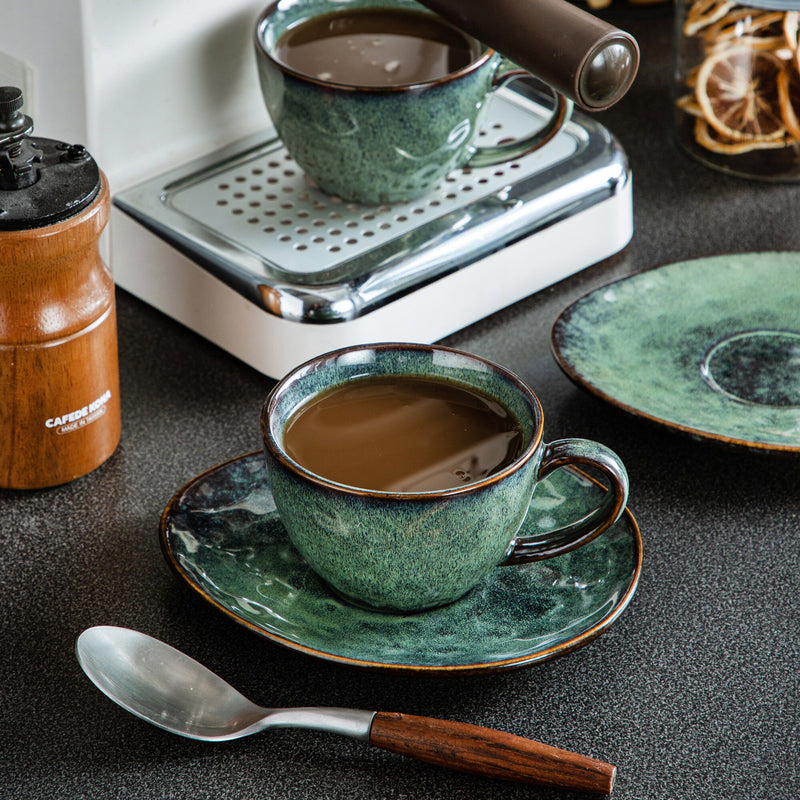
column 384, row 144
column 408, row 551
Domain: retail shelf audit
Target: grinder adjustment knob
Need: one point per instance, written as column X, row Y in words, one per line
column 17, row 155
column 12, row 121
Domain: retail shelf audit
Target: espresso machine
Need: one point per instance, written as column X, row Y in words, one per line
column 213, row 223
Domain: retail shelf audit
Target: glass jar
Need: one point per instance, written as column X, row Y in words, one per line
column 737, row 86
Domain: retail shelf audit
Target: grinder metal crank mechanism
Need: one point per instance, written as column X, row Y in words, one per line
column 59, row 179
column 59, row 377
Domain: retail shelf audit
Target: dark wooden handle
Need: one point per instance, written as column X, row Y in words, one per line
column 578, row 54
column 482, row 751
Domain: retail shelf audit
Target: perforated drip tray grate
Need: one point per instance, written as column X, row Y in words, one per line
column 271, row 208
column 250, row 216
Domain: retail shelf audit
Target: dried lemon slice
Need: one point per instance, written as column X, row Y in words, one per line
column 745, row 22
column 691, row 77
column 707, row 137
column 738, row 92
column 703, row 13
column 789, row 99
column 791, row 26
column 689, row 104
column 773, row 44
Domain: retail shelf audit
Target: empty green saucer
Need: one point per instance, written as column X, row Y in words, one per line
column 222, row 536
column 708, row 347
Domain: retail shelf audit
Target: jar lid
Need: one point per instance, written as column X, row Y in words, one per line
column 773, row 5
column 42, row 181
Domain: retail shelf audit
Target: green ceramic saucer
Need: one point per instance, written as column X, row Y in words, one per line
column 222, row 536
column 708, row 347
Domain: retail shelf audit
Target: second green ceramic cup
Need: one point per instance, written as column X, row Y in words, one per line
column 415, row 550
column 376, row 144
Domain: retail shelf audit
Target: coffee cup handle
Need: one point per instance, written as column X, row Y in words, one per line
column 562, row 453
column 508, row 151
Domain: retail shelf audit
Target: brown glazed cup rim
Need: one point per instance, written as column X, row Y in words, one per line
column 277, row 452
column 262, row 50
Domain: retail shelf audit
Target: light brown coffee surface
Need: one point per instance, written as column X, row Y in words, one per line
column 402, row 434
column 376, row 47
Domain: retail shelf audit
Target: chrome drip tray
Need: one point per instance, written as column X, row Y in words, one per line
column 249, row 216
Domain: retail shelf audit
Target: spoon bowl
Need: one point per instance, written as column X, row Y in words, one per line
column 167, row 688
column 164, row 686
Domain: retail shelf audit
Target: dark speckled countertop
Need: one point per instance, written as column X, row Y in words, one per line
column 694, row 693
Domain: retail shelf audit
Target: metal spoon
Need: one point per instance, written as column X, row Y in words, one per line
column 172, row 691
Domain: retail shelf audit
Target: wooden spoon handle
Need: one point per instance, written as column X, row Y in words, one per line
column 495, row 754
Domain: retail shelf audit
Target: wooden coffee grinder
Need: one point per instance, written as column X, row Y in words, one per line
column 59, row 375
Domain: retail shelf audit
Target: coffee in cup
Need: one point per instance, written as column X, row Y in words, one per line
column 403, row 433
column 378, row 100
column 418, row 542
column 376, row 47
